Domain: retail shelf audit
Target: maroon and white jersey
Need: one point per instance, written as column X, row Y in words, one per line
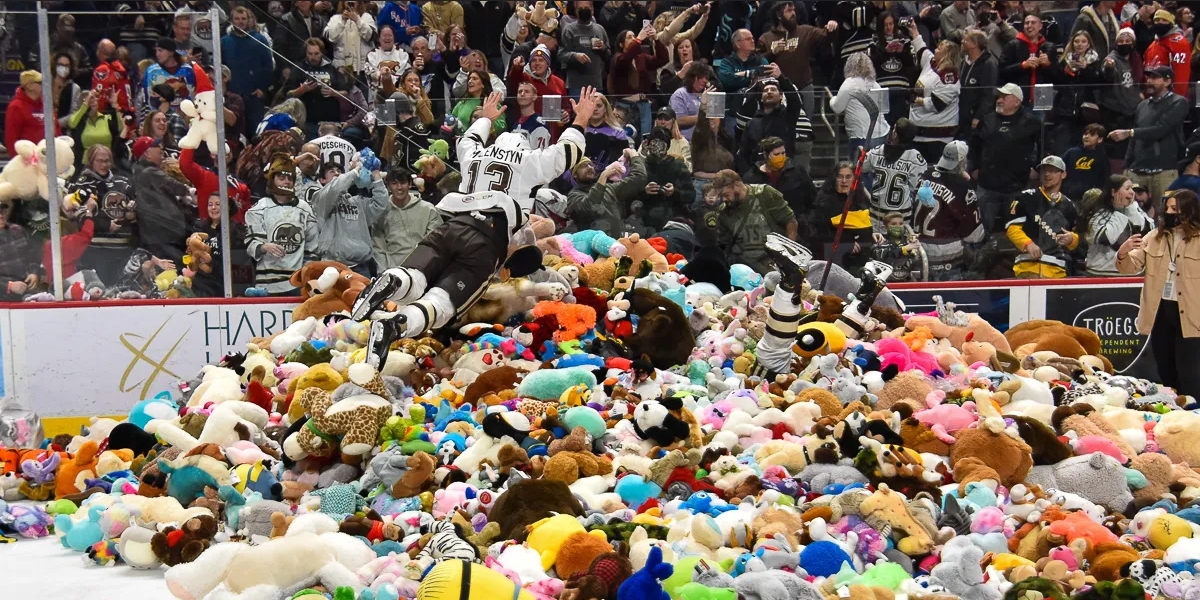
column 953, row 218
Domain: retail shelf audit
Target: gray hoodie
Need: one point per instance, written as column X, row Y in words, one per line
column 396, row 234
column 345, row 219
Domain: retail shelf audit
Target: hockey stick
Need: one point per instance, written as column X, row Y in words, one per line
column 873, row 110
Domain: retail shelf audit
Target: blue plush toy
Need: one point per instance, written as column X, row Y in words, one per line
column 742, row 276
column 705, row 503
column 646, row 584
column 367, row 163
column 634, row 490
column 158, row 407
column 549, row 384
column 79, row 536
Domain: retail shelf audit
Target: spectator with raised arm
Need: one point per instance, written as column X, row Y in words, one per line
column 601, row 200
column 1156, row 138
column 538, row 74
column 792, row 46
column 345, row 207
column 631, row 78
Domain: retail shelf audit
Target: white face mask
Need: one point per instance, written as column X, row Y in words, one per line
column 62, row 71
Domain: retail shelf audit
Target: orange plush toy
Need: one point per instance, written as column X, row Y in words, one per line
column 574, row 320
column 83, row 462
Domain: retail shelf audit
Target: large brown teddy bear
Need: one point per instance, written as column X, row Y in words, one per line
column 995, row 447
column 663, row 334
column 175, row 546
column 326, row 287
column 1055, row 336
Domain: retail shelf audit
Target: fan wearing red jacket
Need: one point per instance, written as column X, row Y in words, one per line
column 207, row 181
column 1170, row 48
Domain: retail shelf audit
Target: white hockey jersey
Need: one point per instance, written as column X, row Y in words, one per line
column 896, row 182
column 514, row 172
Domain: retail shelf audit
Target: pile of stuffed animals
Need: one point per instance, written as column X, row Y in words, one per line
column 601, row 431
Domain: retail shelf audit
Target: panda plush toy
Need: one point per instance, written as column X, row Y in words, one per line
column 654, row 421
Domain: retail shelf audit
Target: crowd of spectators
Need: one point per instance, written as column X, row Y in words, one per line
column 957, row 161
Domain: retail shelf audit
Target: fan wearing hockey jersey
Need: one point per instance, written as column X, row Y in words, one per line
column 1041, row 225
column 451, row 267
column 898, row 169
column 935, row 109
column 948, row 220
column 281, row 230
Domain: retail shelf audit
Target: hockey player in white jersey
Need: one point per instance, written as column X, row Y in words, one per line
column 451, row 267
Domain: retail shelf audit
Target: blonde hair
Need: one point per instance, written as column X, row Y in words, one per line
column 610, row 115
column 859, row 65
column 953, row 57
column 292, row 107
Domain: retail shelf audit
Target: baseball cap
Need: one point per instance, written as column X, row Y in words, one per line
column 953, row 156
column 30, row 76
column 1011, row 89
column 167, row 43
column 1193, row 151
column 1054, row 161
column 142, row 144
column 1160, row 71
column 665, row 112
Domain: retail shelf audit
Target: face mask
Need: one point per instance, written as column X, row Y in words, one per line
column 777, row 162
column 896, row 232
column 585, row 14
column 1170, row 220
column 1160, row 29
column 656, row 148
column 62, row 71
column 1124, row 49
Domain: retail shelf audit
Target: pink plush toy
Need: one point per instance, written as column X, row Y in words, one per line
column 1098, row 443
column 949, row 417
column 894, row 351
column 456, row 495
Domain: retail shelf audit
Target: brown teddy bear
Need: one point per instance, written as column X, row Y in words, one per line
column 1084, row 420
column 528, row 501
column 781, row 521
column 921, row 438
column 178, row 545
column 417, row 478
column 198, row 258
column 280, row 523
column 996, row 447
column 571, row 458
column 1055, row 336
column 326, row 287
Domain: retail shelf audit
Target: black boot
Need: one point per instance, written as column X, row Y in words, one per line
column 371, row 299
column 790, row 258
column 379, row 343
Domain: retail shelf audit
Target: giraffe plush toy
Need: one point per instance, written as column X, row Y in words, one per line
column 352, row 423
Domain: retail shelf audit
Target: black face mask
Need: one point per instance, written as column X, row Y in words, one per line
column 584, row 14
column 1124, row 49
column 1170, row 220
column 1161, row 29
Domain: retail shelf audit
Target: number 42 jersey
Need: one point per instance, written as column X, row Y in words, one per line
column 514, row 170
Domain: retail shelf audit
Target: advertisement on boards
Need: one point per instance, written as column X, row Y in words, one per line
column 1111, row 312
column 993, row 304
column 121, row 355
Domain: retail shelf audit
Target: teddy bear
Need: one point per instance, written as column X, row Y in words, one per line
column 960, row 572
column 326, row 287
column 570, row 459
column 1097, row 477
column 177, row 545
column 887, row 508
column 996, row 447
column 416, row 478
column 354, row 425
column 203, row 113
column 1055, row 336
column 199, row 256
column 25, row 177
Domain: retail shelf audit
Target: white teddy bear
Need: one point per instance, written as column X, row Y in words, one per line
column 203, row 113
column 25, row 177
